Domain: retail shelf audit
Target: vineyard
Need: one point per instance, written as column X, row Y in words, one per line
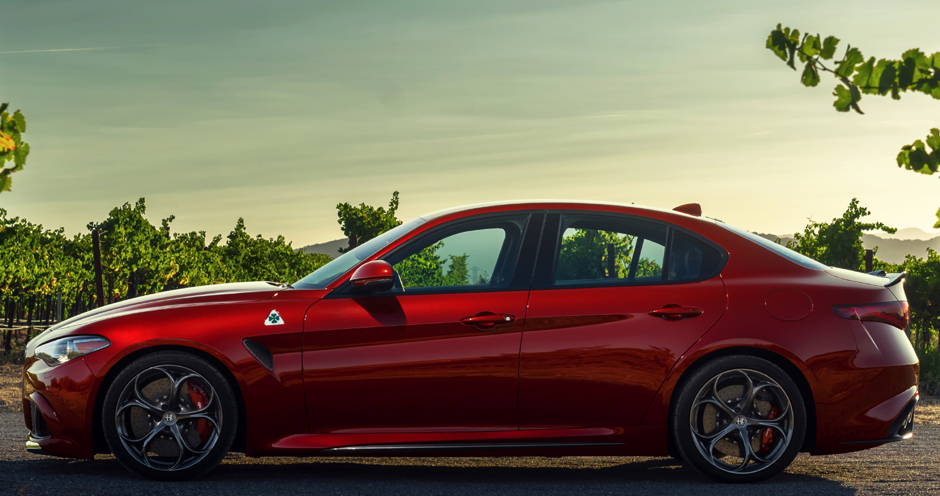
column 46, row 276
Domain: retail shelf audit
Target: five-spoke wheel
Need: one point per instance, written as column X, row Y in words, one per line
column 170, row 416
column 739, row 419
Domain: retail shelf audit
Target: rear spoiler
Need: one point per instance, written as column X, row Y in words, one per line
column 895, row 278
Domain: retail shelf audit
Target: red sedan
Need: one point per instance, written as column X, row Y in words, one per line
column 514, row 329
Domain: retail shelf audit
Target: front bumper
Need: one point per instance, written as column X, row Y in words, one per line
column 58, row 407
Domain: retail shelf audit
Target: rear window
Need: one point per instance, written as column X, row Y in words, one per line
column 779, row 249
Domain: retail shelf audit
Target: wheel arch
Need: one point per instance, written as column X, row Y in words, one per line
column 101, row 446
column 777, row 359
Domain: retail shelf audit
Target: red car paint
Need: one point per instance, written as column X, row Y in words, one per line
column 569, row 365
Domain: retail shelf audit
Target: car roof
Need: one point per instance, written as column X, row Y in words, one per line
column 538, row 204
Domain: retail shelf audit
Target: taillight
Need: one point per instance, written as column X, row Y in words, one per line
column 895, row 313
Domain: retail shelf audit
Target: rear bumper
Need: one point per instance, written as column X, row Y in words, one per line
column 902, row 428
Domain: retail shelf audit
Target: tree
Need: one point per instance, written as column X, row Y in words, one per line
column 584, row 255
column 914, row 72
column 425, row 269
column 365, row 222
column 838, row 243
column 12, row 146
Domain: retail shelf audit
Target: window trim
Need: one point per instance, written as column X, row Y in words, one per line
column 532, row 217
column 539, row 280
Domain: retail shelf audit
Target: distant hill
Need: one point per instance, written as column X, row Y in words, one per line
column 889, row 250
column 910, row 233
column 330, row 248
column 894, row 250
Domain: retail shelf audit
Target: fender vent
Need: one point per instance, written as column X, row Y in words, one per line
column 262, row 354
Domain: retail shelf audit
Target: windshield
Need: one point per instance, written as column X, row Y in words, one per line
column 779, row 249
column 323, row 276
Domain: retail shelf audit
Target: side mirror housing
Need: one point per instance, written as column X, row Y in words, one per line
column 373, row 276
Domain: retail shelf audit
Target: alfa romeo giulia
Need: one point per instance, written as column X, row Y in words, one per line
column 514, row 329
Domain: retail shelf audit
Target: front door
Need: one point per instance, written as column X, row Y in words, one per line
column 439, row 352
column 615, row 303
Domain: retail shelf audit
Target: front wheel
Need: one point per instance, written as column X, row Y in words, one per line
column 170, row 416
column 739, row 419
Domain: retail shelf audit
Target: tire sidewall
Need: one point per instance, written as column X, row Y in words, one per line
column 681, row 430
column 224, row 394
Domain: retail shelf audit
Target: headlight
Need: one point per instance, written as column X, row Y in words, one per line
column 67, row 348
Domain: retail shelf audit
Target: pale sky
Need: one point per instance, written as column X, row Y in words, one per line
column 277, row 110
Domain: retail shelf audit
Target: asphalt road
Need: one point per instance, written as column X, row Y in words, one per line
column 910, row 468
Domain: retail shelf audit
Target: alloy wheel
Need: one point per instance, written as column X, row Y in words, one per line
column 741, row 421
column 168, row 418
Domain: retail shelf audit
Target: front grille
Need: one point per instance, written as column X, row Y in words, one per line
column 40, row 430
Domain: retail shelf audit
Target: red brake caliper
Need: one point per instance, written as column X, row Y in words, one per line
column 199, row 399
column 767, row 437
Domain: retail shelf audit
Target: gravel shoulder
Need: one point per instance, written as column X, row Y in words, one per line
column 910, row 467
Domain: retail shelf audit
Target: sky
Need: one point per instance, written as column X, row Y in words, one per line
column 276, row 111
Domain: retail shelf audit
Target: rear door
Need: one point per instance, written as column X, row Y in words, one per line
column 615, row 302
column 439, row 352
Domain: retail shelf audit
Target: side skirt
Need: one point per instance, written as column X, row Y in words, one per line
column 389, row 448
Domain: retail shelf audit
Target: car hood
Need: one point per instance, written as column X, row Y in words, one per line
column 201, row 295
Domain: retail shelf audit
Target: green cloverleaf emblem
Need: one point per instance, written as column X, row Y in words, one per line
column 274, row 318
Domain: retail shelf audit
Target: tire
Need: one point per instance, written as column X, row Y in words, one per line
column 170, row 416
column 712, row 416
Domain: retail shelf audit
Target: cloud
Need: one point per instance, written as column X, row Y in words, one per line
column 77, row 49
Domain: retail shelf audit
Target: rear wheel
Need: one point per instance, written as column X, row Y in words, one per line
column 739, row 419
column 170, row 416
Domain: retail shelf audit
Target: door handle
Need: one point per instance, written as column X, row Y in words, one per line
column 488, row 320
column 676, row 312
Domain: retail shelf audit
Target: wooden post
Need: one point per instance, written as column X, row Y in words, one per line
column 99, row 286
column 869, row 260
column 58, row 308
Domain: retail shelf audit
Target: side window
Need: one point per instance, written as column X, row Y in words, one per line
column 600, row 249
column 478, row 254
column 691, row 259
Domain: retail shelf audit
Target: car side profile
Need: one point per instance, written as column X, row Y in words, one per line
column 512, row 329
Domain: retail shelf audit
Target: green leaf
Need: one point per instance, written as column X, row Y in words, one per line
column 810, row 76
column 904, row 157
column 865, row 78
column 20, row 121
column 933, row 139
column 853, row 57
column 887, row 73
column 843, row 98
column 777, row 42
column 19, row 156
column 847, row 97
column 811, row 46
column 919, row 59
column 5, row 181
column 829, row 47
column 937, row 225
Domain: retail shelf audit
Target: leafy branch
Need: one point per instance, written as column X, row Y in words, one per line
column 12, row 146
column 914, row 72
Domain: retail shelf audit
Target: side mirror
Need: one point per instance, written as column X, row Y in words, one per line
column 376, row 275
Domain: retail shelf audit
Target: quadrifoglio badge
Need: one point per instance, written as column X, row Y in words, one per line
column 274, row 318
